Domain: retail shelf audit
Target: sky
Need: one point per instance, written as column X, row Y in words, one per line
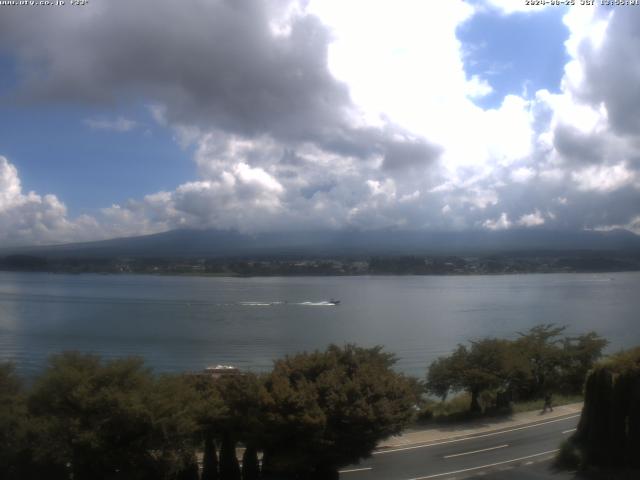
column 122, row 118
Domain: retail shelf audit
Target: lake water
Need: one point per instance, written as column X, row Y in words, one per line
column 187, row 323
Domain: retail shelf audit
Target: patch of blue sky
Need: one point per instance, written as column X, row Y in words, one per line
column 518, row 53
column 56, row 151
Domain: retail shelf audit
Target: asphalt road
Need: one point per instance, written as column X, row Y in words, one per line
column 487, row 454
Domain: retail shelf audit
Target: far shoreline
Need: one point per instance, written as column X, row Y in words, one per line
column 345, row 275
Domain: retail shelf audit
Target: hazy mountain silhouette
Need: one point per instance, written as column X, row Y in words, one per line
column 223, row 243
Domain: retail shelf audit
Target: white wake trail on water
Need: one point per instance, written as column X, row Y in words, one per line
column 304, row 304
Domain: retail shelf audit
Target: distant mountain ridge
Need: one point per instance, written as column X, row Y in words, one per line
column 228, row 243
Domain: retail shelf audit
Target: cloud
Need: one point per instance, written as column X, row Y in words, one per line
column 605, row 66
column 409, row 153
column 119, row 124
column 500, row 223
column 604, row 178
column 27, row 218
column 533, row 219
column 221, row 65
column 507, row 7
column 313, row 114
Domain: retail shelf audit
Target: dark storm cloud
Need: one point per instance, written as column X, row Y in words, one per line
column 412, row 153
column 212, row 64
column 576, row 146
column 612, row 74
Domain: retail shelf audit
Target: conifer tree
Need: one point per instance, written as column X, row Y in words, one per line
column 210, row 459
column 250, row 467
column 229, row 466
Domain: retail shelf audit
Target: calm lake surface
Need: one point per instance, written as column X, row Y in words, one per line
column 187, row 323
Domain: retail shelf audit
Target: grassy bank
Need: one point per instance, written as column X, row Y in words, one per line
column 456, row 409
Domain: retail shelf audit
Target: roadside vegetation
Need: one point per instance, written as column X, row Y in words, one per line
column 85, row 418
column 313, row 413
column 607, row 441
column 496, row 375
column 455, row 409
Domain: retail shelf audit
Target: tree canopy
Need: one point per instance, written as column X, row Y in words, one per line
column 329, row 409
column 87, row 418
column 536, row 363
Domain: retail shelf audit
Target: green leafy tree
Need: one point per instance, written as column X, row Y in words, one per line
column 538, row 362
column 13, row 425
column 95, row 419
column 481, row 367
column 580, row 355
column 328, row 409
column 241, row 396
column 243, row 422
column 543, row 355
column 440, row 377
column 172, row 404
column 211, row 415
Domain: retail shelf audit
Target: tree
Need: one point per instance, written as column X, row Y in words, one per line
column 229, row 466
column 440, row 377
column 243, row 421
column 250, row 465
column 580, row 355
column 210, row 459
column 608, row 434
column 93, row 416
column 328, row 409
column 241, row 395
column 210, row 413
column 188, row 468
column 483, row 366
column 13, row 426
column 542, row 350
column 174, row 434
column 95, row 419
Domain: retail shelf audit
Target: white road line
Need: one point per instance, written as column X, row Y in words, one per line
column 484, row 466
column 476, row 451
column 402, row 449
column 569, row 431
column 352, row 470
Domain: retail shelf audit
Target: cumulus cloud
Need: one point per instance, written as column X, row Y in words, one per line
column 309, row 114
column 531, row 219
column 27, row 218
column 500, row 223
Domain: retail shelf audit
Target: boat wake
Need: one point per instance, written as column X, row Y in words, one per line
column 324, row 303
column 318, row 304
column 259, row 304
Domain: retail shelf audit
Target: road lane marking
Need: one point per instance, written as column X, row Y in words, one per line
column 485, row 466
column 352, row 470
column 476, row 451
column 569, row 431
column 383, row 452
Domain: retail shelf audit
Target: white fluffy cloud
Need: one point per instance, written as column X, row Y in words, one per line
column 27, row 218
column 318, row 116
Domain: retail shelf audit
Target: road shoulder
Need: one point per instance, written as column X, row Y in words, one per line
column 442, row 433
